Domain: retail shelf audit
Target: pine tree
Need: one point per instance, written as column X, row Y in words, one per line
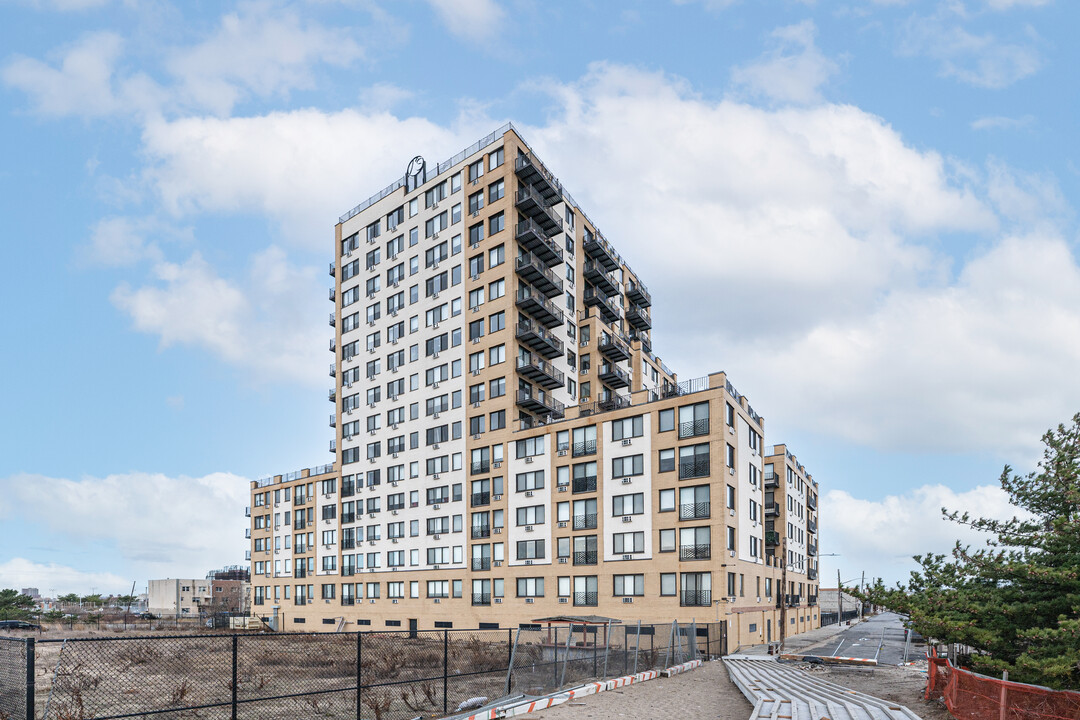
column 1016, row 602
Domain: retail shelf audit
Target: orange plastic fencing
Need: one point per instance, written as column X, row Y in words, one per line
column 970, row 696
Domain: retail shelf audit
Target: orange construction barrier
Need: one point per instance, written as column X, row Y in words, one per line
column 970, row 696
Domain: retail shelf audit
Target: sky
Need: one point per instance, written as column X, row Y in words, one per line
column 863, row 210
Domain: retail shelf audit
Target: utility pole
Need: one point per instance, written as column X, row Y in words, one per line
column 862, row 588
column 781, row 596
column 839, row 597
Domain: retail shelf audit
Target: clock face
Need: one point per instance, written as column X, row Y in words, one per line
column 416, row 166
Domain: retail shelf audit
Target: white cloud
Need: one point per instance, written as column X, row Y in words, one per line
column 383, row 96
column 82, row 84
column 122, row 241
column 270, row 324
column 475, row 20
column 999, row 122
column 52, row 579
column 1032, row 198
column 261, row 50
column 792, row 71
column 158, row 526
column 1010, row 4
column 881, row 536
column 980, row 60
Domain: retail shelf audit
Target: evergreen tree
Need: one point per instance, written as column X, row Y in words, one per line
column 1016, row 602
column 14, row 605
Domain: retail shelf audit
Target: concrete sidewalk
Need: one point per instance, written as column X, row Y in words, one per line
column 803, row 642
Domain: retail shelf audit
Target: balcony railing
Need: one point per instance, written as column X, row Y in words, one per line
column 299, row 572
column 481, row 531
column 541, row 403
column 530, row 201
column 585, row 447
column 347, row 600
column 481, row 598
column 772, row 537
column 584, row 484
column 348, row 544
column 586, row 599
column 533, row 172
column 694, row 511
column 538, row 339
column 638, row 318
column 695, row 598
column 811, row 549
column 694, row 468
column 638, row 293
column 587, row 557
column 536, row 304
column 772, row 481
column 693, row 428
column 614, row 376
column 811, row 526
column 480, row 498
column 585, row 522
column 535, row 239
column 811, row 502
column 478, row 468
column 481, row 563
column 811, row 600
column 348, row 570
column 811, row 574
column 598, row 275
column 615, row 402
column 599, row 248
column 695, row 552
column 540, row 372
column 613, row 348
column 538, row 275
column 606, row 306
column 772, row 509
column 348, row 489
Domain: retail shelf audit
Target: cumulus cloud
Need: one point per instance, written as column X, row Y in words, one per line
column 982, row 60
column 792, row 71
column 122, row 241
column 881, row 536
column 266, row 323
column 52, row 579
column 157, row 525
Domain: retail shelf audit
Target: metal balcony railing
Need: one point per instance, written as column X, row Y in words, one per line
column 587, row 557
column 585, row 447
column 693, row 428
column 536, row 240
column 300, row 572
column 597, row 247
column 694, row 468
column 540, row 307
column 481, row 598
column 481, row 531
column 584, row 484
column 614, row 376
column 585, row 522
column 533, row 171
column 638, row 318
column 772, row 481
column 694, row 511
column 638, row 293
column 537, row 273
column 481, row 563
column 480, row 498
column 478, row 468
column 695, row 552
column 538, row 339
column 811, row 502
column 772, row 537
column 811, row 574
column 695, row 598
column 347, row 600
column 614, row 348
column 540, row 402
column 586, row 599
column 597, row 298
column 531, row 202
column 772, row 509
column 541, row 372
column 811, row 526
column 598, row 275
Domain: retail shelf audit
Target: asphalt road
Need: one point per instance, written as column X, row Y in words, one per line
column 881, row 636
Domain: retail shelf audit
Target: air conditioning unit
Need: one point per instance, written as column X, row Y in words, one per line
column 731, row 430
column 393, row 512
column 731, row 512
column 435, row 476
column 528, row 528
column 476, row 404
column 626, row 481
column 529, row 600
column 497, row 531
column 563, row 600
column 731, row 471
column 435, row 537
column 627, row 518
column 497, row 600
column 436, row 445
column 626, row 442
column 731, row 553
column 394, row 540
column 475, row 373
column 498, row 498
column 371, row 515
column 393, row 483
column 731, row 599
column 562, row 453
column 528, row 493
column 436, row 386
column 562, row 488
column 475, row 213
column 759, row 599
column 497, row 464
column 628, row 599
column 371, row 323
column 562, row 523
column 528, row 459
column 371, row 542
column 498, row 563
column 562, row 561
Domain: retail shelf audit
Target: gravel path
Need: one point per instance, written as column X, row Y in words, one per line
column 705, row 693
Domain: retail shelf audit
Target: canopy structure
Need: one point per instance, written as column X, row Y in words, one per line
column 584, row 621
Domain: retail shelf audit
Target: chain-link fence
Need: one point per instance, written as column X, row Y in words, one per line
column 16, row 678
column 385, row 675
column 831, row 618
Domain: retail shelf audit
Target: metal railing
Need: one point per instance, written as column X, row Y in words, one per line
column 586, row 599
column 584, row 484
column 585, row 447
column 693, row 428
column 480, row 498
column 585, row 557
column 695, row 598
column 694, row 468
column 585, row 522
column 481, row 563
column 481, row 531
column 694, row 511
column 695, row 552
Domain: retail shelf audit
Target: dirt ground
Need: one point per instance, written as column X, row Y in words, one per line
column 904, row 685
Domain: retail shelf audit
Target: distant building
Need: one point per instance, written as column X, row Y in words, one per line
column 32, row 592
column 195, row 597
column 829, row 600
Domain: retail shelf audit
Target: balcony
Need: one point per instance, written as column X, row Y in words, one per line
column 300, row 548
column 300, row 572
column 543, row 310
column 481, row 598
column 695, row 552
column 533, row 238
column 614, row 376
column 536, row 273
column 247, row 554
column 348, row 489
column 481, row 531
column 585, row 557
column 772, row 509
column 332, row 395
column 333, row 370
column 333, row 445
column 479, row 468
column 539, row 402
column 793, row 600
column 811, row 502
column 597, row 298
column 811, row 600
column 638, row 293
column 585, row 599
column 531, row 202
column 347, row 544
column 600, row 277
column 811, row 549
column 811, row 574
column 347, row 600
column 534, row 173
column 585, row 447
column 638, row 318
column 772, row 481
column 247, row 511
column 247, row 533
column 333, row 294
column 694, row 468
column 333, row 421
column 615, row 402
column 481, row 564
column 539, row 340
column 613, row 348
column 300, row 600
column 772, row 537
column 584, row 484
column 396, row 506
column 333, row 320
column 540, row 372
column 585, row 522
column 480, row 498
column 348, row 570
column 598, row 248
column 811, row 526
column 695, row 598
column 693, row 428
column 333, row 345
column 694, row 511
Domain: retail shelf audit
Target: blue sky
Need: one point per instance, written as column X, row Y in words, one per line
column 863, row 211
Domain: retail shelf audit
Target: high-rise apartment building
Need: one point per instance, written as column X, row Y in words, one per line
column 508, row 445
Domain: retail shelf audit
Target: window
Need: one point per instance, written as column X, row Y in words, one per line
column 498, row 420
column 497, row 387
column 476, row 265
column 530, row 481
column 496, row 223
column 530, row 550
column 497, row 321
column 627, row 466
column 667, row 541
column 476, row 202
column 633, row 504
column 667, row 420
column 668, row 584
column 530, row 587
column 629, row 585
column 626, row 543
column 627, row 428
column 667, row 500
column 497, row 354
column 496, row 289
column 495, row 159
column 496, row 256
column 496, row 190
column 531, row 515
column 476, row 170
column 694, row 420
column 529, row 447
column 667, row 460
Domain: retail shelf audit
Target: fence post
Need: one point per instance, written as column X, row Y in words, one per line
column 445, row 666
column 566, row 659
column 513, row 652
column 1003, row 711
column 235, row 674
column 359, row 671
column 595, row 641
column 555, row 662
column 607, row 647
column 30, row 657
column 637, row 646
